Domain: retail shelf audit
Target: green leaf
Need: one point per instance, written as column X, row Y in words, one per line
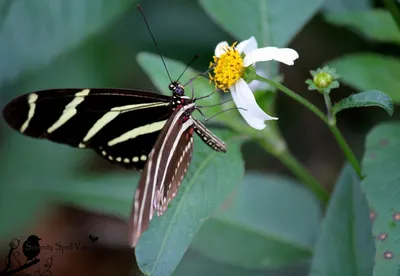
column 196, row 264
column 365, row 99
column 271, row 22
column 370, row 71
column 78, row 68
column 211, row 177
column 376, row 24
column 381, row 165
column 345, row 245
column 256, row 227
column 33, row 33
column 344, row 5
column 154, row 68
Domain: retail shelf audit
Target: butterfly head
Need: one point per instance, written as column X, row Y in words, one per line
column 176, row 88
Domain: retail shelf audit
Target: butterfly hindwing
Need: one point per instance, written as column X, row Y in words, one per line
column 176, row 166
column 121, row 125
column 164, row 171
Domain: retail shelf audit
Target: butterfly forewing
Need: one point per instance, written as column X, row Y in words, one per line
column 164, row 170
column 119, row 124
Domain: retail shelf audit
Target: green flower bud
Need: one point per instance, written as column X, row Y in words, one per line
column 324, row 80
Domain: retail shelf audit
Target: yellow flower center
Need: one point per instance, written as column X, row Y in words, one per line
column 228, row 68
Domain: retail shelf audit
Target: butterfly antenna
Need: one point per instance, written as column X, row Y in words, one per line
column 203, row 74
column 154, row 40
column 188, row 64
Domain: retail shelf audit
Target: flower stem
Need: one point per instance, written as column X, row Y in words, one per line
column 391, row 6
column 300, row 172
column 346, row 149
column 294, row 96
column 331, row 123
column 328, row 104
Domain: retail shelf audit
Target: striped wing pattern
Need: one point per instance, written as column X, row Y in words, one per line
column 121, row 125
column 209, row 138
column 134, row 129
column 164, row 170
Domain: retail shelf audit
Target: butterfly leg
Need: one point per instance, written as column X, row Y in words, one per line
column 223, row 111
column 213, row 105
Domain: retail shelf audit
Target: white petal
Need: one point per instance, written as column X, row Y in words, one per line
column 247, row 46
column 284, row 55
column 244, row 98
column 219, row 50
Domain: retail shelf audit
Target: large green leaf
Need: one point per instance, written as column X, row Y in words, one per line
column 273, row 23
column 370, row 71
column 33, row 33
column 381, row 165
column 211, row 177
column 345, row 246
column 365, row 99
column 78, row 68
column 345, row 5
column 256, row 227
column 196, row 264
column 376, row 24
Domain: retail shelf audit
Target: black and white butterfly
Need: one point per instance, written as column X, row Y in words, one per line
column 130, row 128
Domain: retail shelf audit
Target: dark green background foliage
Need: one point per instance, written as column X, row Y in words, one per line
column 239, row 213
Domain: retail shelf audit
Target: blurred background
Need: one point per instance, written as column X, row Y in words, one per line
column 104, row 55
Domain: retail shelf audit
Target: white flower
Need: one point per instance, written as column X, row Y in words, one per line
column 230, row 63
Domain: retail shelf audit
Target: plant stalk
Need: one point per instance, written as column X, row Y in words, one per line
column 331, row 123
column 328, row 104
column 346, row 149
